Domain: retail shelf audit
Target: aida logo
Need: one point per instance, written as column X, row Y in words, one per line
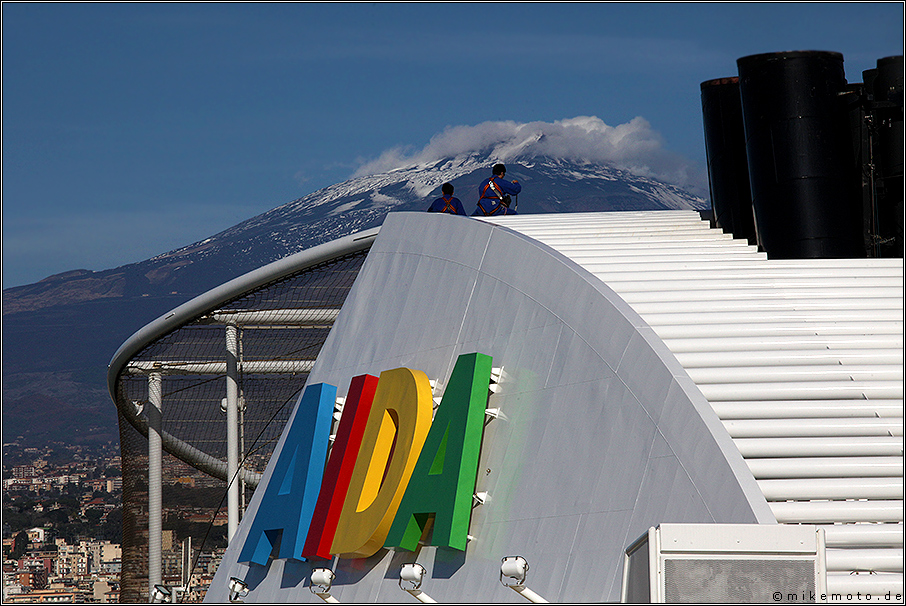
column 391, row 469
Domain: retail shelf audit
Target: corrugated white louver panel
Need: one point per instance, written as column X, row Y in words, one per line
column 802, row 360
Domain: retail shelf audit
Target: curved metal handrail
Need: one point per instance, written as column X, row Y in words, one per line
column 204, row 304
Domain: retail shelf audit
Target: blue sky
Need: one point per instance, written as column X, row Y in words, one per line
column 133, row 129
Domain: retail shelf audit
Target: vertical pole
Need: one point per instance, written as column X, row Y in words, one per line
column 186, row 565
column 242, row 406
column 241, row 450
column 155, row 532
column 232, row 388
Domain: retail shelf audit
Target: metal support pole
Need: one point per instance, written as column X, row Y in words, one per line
column 155, row 532
column 232, row 419
column 528, row 594
column 242, row 484
column 328, row 598
column 242, row 406
column 421, row 596
column 186, row 564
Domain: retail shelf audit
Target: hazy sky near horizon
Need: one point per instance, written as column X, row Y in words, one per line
column 133, row 129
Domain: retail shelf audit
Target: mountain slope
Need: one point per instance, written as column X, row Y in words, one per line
column 60, row 332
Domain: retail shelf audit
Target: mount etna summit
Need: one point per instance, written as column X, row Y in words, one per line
column 60, row 333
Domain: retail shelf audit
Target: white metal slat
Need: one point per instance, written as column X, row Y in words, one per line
column 778, row 329
column 769, row 306
column 805, row 390
column 805, row 357
column 632, row 237
column 716, row 294
column 666, row 257
column 762, row 318
column 744, row 283
column 855, row 535
column 826, row 467
column 838, row 488
column 796, row 373
column 643, row 252
column 732, row 275
column 885, row 559
column 820, row 427
column 784, row 343
column 818, row 512
column 832, row 488
column 849, row 446
column 813, row 409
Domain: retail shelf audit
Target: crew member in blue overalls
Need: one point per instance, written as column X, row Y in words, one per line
column 447, row 203
column 494, row 194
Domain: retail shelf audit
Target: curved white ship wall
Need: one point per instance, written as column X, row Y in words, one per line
column 604, row 435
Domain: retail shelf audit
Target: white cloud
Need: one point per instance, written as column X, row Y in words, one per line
column 633, row 146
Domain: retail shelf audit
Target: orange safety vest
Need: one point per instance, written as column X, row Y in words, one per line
column 448, row 205
column 498, row 197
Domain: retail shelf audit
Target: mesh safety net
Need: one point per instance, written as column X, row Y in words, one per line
column 279, row 330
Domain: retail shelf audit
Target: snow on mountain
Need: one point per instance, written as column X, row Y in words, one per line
column 549, row 185
column 633, row 147
column 573, row 165
column 60, row 331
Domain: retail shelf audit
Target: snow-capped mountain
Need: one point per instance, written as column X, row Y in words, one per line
column 549, row 185
column 60, row 332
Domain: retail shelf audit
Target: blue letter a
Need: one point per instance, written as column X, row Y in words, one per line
column 285, row 511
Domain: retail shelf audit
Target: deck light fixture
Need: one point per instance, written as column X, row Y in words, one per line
column 161, row 594
column 321, row 580
column 238, row 589
column 513, row 570
column 412, row 574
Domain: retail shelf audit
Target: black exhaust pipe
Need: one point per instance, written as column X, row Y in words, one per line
column 725, row 149
column 885, row 111
column 804, row 178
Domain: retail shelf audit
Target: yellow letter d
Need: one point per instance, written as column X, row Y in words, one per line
column 397, row 426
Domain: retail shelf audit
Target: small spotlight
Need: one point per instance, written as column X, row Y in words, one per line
column 161, row 594
column 513, row 570
column 412, row 575
column 321, row 580
column 238, row 589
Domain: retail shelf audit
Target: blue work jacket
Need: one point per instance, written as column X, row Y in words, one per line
column 489, row 201
column 449, row 205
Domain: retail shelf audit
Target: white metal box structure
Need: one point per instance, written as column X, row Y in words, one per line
column 725, row 563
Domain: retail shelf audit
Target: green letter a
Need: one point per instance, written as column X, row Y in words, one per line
column 444, row 476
